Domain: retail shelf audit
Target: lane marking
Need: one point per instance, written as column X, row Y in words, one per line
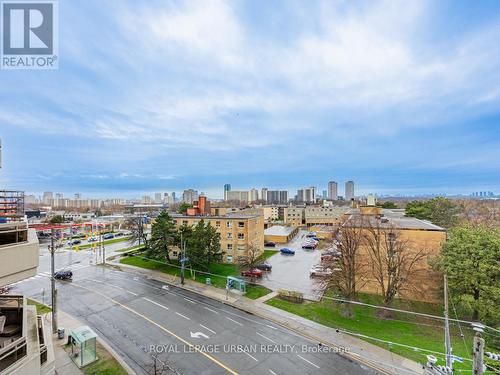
column 209, row 309
column 228, row 318
column 251, row 356
column 272, row 372
column 267, row 325
column 213, row 359
column 128, row 291
column 307, row 361
column 267, row 338
column 190, row 300
column 208, row 329
column 184, row 316
column 155, row 303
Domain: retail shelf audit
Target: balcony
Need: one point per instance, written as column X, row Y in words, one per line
column 18, row 252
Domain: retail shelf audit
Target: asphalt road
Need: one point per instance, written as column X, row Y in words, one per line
column 140, row 318
column 291, row 272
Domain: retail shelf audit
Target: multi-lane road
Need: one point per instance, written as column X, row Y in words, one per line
column 192, row 334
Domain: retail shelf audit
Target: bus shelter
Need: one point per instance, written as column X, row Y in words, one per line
column 83, row 346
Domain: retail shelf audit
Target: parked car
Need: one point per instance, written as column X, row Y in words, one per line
column 264, row 266
column 269, row 244
column 108, row 236
column 74, row 242
column 311, row 234
column 327, row 258
column 92, row 239
column 320, row 271
column 287, row 251
column 308, row 246
column 63, row 275
column 119, row 234
column 254, row 272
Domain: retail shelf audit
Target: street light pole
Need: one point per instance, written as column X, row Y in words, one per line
column 447, row 340
column 53, row 282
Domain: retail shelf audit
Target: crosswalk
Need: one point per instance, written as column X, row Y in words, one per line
column 41, row 275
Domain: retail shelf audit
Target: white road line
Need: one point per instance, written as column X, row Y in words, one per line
column 267, row 325
column 251, row 356
column 267, row 338
column 96, row 281
column 228, row 318
column 208, row 329
column 209, row 309
column 307, row 361
column 128, row 291
column 272, row 372
column 190, row 300
column 184, row 316
column 155, row 303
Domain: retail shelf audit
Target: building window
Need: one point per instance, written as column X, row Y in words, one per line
column 230, row 247
column 229, row 258
column 241, row 224
column 174, row 253
column 229, row 236
column 241, row 247
column 184, row 222
column 217, row 224
column 241, row 236
column 229, row 224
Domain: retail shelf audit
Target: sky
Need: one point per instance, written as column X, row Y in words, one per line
column 399, row 96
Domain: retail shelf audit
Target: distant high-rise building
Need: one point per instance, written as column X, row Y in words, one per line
column 227, row 187
column 47, row 197
column 349, row 190
column 238, row 196
column 254, row 195
column 189, row 196
column 333, row 191
column 263, row 195
column 158, row 198
column 78, row 196
column 324, row 196
column 173, row 197
column 283, row 197
column 277, row 197
column 307, row 195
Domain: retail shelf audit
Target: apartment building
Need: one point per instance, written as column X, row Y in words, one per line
column 294, row 216
column 306, row 195
column 238, row 196
column 331, row 216
column 237, row 233
column 417, row 235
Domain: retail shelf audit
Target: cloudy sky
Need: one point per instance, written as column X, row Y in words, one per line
column 400, row 96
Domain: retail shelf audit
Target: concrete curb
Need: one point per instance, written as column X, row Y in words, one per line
column 242, row 306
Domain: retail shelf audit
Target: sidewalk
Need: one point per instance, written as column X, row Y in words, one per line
column 63, row 363
column 357, row 349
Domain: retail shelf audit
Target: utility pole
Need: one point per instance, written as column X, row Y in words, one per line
column 447, row 340
column 53, row 282
column 104, row 250
column 477, row 354
column 183, row 259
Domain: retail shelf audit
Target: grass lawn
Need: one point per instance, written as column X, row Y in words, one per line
column 224, row 270
column 107, row 242
column 136, row 247
column 40, row 307
column 403, row 328
column 105, row 365
column 267, row 254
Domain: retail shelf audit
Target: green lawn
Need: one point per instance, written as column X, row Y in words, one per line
column 224, row 270
column 267, row 254
column 136, row 247
column 107, row 242
column 40, row 307
column 403, row 328
column 105, row 365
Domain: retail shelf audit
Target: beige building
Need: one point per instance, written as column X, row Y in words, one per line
column 280, row 234
column 331, row 216
column 25, row 342
column 294, row 216
column 237, row 233
column 417, row 235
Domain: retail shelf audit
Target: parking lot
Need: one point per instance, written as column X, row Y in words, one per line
column 291, row 272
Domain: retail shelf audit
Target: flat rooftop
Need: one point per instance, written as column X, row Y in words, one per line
column 391, row 219
column 212, row 217
column 278, row 230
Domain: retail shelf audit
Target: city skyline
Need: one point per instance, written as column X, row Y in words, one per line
column 401, row 97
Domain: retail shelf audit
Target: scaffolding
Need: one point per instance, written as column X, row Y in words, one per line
column 11, row 205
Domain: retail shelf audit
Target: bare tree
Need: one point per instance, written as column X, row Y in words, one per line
column 160, row 367
column 347, row 275
column 394, row 262
column 137, row 232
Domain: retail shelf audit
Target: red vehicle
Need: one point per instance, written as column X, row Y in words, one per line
column 254, row 272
